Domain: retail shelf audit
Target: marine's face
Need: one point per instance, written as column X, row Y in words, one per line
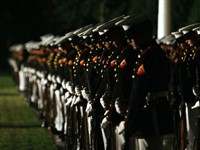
column 181, row 45
column 107, row 44
column 76, row 47
column 190, row 42
column 91, row 46
column 99, row 46
column 132, row 42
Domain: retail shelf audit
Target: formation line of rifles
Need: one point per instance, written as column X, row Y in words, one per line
column 112, row 86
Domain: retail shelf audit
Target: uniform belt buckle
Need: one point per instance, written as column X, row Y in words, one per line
column 152, row 96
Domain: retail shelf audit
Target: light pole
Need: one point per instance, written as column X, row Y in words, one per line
column 164, row 18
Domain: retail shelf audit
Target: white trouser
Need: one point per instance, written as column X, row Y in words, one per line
column 120, row 140
column 40, row 93
column 191, row 119
column 151, row 143
column 22, row 81
column 59, row 117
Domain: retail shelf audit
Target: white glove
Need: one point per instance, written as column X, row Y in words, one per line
column 104, row 100
column 44, row 81
column 121, row 127
column 77, row 100
column 89, row 110
column 67, row 95
column 53, row 78
column 196, row 91
column 64, row 84
column 49, row 77
column 86, row 95
column 69, row 87
column 78, row 90
column 73, row 101
column 105, row 123
column 120, row 106
column 69, row 101
column 58, row 80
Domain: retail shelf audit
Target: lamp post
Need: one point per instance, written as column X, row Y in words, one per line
column 164, row 18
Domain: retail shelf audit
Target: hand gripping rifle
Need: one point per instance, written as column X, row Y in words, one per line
column 182, row 113
column 89, row 122
column 196, row 92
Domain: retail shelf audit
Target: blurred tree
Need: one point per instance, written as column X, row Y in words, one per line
column 22, row 19
column 25, row 20
column 194, row 13
column 149, row 7
column 116, row 8
column 180, row 13
column 71, row 14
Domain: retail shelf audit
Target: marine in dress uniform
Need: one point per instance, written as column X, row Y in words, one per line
column 149, row 116
column 196, row 92
column 114, row 43
column 186, row 79
column 182, row 80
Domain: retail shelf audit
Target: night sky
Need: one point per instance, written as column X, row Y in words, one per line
column 20, row 22
column 25, row 20
column 21, row 19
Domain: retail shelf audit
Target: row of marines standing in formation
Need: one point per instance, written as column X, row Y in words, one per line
column 113, row 86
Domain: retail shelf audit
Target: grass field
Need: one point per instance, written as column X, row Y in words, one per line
column 19, row 126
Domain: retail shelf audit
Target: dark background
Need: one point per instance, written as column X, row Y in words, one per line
column 25, row 20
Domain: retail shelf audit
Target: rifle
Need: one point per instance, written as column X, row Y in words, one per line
column 95, row 136
column 91, row 119
column 182, row 128
column 183, row 141
column 70, row 122
column 197, row 136
column 196, row 93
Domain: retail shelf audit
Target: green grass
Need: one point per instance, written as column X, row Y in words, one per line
column 19, row 126
column 25, row 139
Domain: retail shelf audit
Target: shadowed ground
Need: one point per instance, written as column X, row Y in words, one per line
column 19, row 126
